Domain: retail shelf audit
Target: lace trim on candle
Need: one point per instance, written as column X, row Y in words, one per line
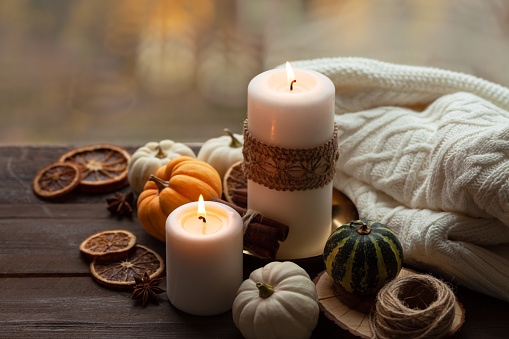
column 286, row 169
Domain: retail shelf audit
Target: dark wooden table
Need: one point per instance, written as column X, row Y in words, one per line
column 46, row 289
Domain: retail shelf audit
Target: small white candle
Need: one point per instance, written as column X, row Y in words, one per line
column 298, row 118
column 203, row 257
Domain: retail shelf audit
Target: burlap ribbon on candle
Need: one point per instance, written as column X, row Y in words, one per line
column 286, row 169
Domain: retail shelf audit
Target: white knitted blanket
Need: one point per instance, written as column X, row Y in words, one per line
column 426, row 152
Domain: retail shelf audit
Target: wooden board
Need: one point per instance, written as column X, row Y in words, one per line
column 46, row 290
column 351, row 318
column 35, row 237
column 77, row 307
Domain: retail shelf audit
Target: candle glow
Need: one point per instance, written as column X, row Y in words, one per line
column 298, row 118
column 200, row 223
column 204, row 270
column 290, row 75
column 202, row 214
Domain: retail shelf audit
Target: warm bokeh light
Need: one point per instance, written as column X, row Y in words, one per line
column 132, row 71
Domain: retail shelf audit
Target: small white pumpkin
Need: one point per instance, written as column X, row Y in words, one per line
column 222, row 152
column 147, row 160
column 277, row 301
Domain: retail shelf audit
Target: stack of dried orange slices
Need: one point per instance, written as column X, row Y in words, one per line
column 116, row 259
column 97, row 168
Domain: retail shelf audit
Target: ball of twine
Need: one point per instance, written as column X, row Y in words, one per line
column 414, row 306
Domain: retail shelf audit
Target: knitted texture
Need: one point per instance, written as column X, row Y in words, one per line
column 426, row 152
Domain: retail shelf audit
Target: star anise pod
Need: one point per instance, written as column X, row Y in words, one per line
column 121, row 205
column 146, row 288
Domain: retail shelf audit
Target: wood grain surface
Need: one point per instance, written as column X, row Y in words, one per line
column 46, row 289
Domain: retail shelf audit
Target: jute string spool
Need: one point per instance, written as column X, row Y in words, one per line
column 414, row 306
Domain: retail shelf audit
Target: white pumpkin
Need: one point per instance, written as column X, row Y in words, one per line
column 222, row 152
column 147, row 160
column 277, row 301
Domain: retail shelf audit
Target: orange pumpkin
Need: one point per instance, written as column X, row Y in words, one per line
column 179, row 182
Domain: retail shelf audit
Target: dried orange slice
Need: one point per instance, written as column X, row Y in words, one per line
column 235, row 185
column 108, row 245
column 104, row 167
column 56, row 180
column 120, row 273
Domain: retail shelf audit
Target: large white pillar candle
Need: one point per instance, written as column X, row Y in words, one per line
column 301, row 118
column 204, row 258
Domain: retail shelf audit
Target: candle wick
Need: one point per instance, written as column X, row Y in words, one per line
column 204, row 225
column 291, row 84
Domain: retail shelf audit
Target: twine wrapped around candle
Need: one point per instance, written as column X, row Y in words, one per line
column 248, row 217
column 414, row 306
column 286, row 169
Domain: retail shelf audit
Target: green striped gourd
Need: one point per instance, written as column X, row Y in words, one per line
column 362, row 255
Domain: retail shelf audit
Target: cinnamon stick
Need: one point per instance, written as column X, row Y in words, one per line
column 260, row 234
column 239, row 196
column 239, row 199
column 261, row 251
column 264, row 228
column 260, row 219
column 240, row 191
column 263, row 234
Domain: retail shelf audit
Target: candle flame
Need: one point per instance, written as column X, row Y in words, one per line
column 290, row 75
column 201, row 207
column 202, row 215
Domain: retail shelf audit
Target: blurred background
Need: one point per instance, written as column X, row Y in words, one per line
column 131, row 71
